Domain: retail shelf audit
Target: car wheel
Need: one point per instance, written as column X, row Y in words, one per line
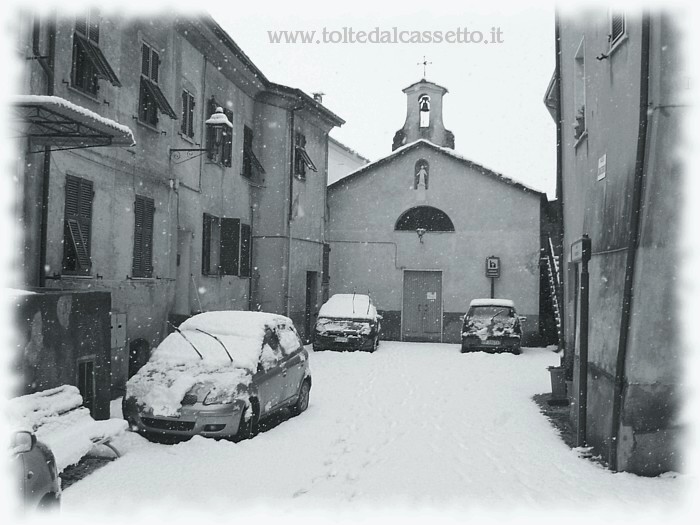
column 248, row 429
column 464, row 350
column 517, row 350
column 303, row 399
column 375, row 345
column 317, row 348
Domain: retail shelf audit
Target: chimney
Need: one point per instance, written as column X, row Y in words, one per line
column 318, row 97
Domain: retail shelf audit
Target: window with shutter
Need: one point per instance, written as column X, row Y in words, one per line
column 246, row 250
column 151, row 97
column 89, row 63
column 144, row 210
column 230, row 246
column 325, row 269
column 187, row 124
column 206, row 243
column 617, row 27
column 77, row 226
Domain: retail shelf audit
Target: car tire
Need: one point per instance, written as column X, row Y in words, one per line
column 375, row 345
column 517, row 350
column 248, row 429
column 464, row 350
column 317, row 348
column 302, row 402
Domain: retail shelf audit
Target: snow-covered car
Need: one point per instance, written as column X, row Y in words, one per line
column 34, row 463
column 218, row 375
column 347, row 322
column 491, row 325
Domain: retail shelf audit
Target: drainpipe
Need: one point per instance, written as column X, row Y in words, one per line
column 292, row 151
column 47, row 64
column 560, row 187
column 634, row 227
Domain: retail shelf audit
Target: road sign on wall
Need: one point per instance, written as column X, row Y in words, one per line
column 493, row 266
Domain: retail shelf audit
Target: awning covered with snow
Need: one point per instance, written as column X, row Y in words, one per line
column 60, row 124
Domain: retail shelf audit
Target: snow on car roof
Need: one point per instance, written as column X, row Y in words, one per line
column 492, row 302
column 350, row 306
column 234, row 322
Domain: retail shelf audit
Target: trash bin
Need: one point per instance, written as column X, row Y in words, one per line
column 558, row 382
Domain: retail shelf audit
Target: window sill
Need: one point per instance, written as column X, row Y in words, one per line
column 147, row 125
column 76, row 277
column 84, row 94
column 188, row 139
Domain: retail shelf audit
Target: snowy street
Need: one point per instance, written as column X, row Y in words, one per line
column 412, row 424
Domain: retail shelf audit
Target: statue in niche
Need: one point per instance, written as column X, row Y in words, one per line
column 421, row 173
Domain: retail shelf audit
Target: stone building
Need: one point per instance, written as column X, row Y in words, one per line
column 618, row 97
column 415, row 228
column 210, row 209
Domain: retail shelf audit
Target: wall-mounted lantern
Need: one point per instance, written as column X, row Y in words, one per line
column 421, row 232
column 218, row 122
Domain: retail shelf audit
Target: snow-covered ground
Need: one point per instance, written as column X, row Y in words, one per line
column 412, row 428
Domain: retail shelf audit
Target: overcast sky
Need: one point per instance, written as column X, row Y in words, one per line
column 494, row 105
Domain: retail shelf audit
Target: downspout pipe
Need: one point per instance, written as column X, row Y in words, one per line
column 47, row 65
column 559, row 184
column 634, row 228
column 292, row 154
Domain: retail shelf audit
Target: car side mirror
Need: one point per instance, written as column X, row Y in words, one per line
column 23, row 441
column 522, row 318
column 380, row 317
column 461, row 317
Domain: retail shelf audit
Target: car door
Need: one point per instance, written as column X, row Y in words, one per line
column 270, row 379
column 294, row 365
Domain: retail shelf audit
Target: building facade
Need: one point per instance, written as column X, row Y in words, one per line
column 414, row 229
column 182, row 221
column 342, row 160
column 618, row 98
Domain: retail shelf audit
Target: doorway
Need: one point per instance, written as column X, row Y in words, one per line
column 311, row 304
column 421, row 317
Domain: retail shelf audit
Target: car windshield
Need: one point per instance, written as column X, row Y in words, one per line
column 490, row 312
column 325, row 323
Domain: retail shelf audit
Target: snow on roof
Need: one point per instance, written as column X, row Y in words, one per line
column 447, row 151
column 349, row 306
column 59, row 102
column 492, row 302
column 16, row 292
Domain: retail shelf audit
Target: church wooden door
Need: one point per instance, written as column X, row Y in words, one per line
column 422, row 306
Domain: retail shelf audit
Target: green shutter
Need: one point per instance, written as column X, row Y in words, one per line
column 230, row 246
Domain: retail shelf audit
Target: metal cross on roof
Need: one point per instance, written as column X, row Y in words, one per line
column 424, row 64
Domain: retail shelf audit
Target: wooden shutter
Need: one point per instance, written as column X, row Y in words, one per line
column 94, row 25
column 206, row 243
column 81, row 24
column 617, row 25
column 211, row 108
column 78, row 225
column 145, row 60
column 155, row 65
column 230, row 245
column 185, row 111
column 144, row 211
column 246, row 244
column 190, row 116
column 227, row 147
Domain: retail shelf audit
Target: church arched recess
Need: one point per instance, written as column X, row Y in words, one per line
column 424, row 217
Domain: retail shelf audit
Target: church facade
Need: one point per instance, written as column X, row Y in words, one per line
column 415, row 229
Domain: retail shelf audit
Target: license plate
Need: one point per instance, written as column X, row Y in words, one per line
column 341, row 339
column 492, row 342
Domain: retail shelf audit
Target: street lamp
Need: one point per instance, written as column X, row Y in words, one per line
column 218, row 122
